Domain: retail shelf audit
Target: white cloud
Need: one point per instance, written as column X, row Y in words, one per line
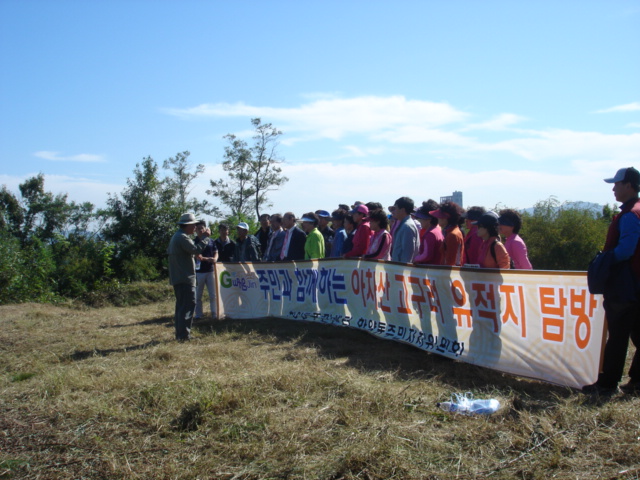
column 499, row 122
column 82, row 157
column 567, row 144
column 628, row 107
column 335, row 118
column 339, row 183
column 417, row 134
column 439, row 151
column 369, row 122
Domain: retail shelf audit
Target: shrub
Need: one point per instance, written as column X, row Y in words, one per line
column 27, row 273
column 139, row 269
column 563, row 236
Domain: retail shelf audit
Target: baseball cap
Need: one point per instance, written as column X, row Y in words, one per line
column 360, row 209
column 625, row 175
column 487, row 220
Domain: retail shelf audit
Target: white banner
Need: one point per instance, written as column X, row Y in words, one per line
column 538, row 324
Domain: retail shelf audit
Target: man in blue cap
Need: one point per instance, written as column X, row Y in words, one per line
column 247, row 246
column 622, row 288
column 327, row 232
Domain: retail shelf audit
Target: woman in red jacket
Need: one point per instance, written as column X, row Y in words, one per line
column 362, row 237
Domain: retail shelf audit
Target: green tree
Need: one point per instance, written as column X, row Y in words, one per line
column 252, row 172
column 563, row 236
column 184, row 173
column 236, row 191
column 142, row 218
column 265, row 163
column 27, row 272
column 38, row 213
column 48, row 249
column 82, row 264
column 11, row 213
column 45, row 214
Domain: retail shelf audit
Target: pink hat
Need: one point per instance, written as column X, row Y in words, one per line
column 360, row 209
column 439, row 214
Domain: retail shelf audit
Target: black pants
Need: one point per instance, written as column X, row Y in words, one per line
column 623, row 323
column 185, row 308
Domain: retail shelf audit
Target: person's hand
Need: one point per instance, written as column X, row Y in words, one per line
column 199, row 257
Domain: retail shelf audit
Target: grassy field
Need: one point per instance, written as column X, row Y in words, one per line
column 106, row 393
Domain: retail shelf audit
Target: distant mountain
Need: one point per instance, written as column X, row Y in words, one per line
column 596, row 208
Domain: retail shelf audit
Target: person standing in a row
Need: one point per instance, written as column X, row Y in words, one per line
column 204, row 270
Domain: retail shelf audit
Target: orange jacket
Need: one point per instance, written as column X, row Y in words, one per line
column 452, row 252
column 501, row 259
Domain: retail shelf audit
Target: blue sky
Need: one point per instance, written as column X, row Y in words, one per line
column 510, row 102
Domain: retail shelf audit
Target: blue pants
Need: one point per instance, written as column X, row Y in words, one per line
column 185, row 307
column 205, row 279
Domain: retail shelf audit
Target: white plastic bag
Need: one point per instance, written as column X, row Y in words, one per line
column 466, row 404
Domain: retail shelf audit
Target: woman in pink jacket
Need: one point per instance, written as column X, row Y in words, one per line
column 431, row 237
column 380, row 244
column 509, row 226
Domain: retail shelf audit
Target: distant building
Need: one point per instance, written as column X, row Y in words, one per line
column 455, row 197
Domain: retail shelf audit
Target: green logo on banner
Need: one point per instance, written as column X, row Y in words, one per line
column 225, row 279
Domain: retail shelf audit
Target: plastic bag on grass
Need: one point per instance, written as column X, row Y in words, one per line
column 465, row 403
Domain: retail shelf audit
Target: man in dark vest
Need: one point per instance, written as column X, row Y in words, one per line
column 621, row 294
column 225, row 246
column 264, row 232
column 247, row 246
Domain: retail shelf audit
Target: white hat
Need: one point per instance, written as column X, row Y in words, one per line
column 187, row 219
column 243, row 225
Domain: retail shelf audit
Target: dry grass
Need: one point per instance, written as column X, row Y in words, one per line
column 107, row 394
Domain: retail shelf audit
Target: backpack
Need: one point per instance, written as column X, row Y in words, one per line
column 495, row 258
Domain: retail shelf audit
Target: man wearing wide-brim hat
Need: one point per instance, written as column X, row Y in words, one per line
column 182, row 272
